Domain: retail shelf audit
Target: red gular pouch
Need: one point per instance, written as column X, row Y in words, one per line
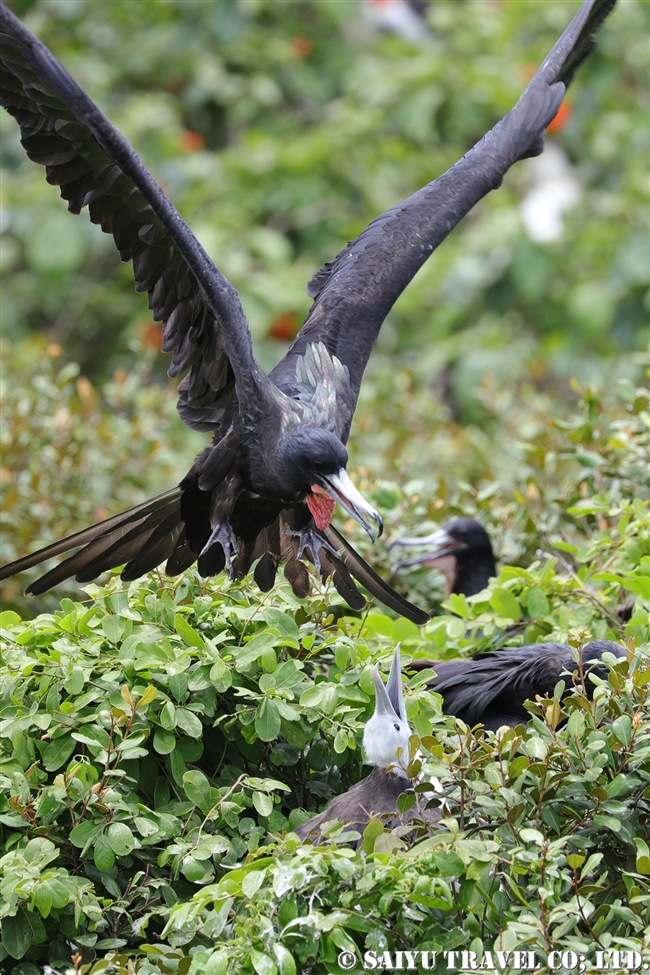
column 321, row 504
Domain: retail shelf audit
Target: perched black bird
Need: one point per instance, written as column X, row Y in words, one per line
column 267, row 485
column 463, row 552
column 492, row 687
column 386, row 743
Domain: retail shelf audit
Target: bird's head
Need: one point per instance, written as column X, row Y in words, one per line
column 313, row 466
column 386, row 736
column 460, row 547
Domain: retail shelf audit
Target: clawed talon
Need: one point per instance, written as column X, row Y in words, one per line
column 309, row 538
column 227, row 539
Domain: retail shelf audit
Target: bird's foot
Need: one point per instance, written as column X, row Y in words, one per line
column 225, row 536
column 309, row 538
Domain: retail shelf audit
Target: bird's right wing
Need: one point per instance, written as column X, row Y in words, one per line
column 94, row 166
column 354, row 292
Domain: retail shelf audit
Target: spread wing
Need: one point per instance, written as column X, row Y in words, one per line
column 94, row 166
column 354, row 292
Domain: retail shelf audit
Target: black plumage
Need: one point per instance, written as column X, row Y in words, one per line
column 463, row 552
column 492, row 687
column 266, row 486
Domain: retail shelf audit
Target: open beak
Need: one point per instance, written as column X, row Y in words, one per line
column 389, row 697
column 439, row 545
column 340, row 487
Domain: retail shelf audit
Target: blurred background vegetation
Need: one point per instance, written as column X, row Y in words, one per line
column 280, row 130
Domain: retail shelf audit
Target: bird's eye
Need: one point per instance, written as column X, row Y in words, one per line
column 396, row 727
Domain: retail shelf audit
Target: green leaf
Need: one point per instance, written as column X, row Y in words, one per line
column 643, row 865
column 263, row 964
column 374, row 829
column 313, row 696
column 164, row 742
column 253, row 649
column 177, row 766
column 217, row 963
column 622, row 728
column 458, row 604
column 284, row 959
column 263, row 803
column 189, row 723
column 74, row 684
column 252, row 882
column 84, row 833
column 113, row 627
column 197, row 789
column 58, row 752
column 530, row 835
column 168, row 716
column 340, row 741
column 341, row 656
column 538, row 605
column 505, row 604
column 9, row 619
column 121, row 839
column 283, row 622
column 193, row 869
column 16, row 934
column 187, row 633
column 103, row 855
column 149, row 695
column 267, row 719
column 42, row 898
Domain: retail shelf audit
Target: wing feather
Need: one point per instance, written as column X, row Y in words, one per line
column 94, row 166
column 354, row 292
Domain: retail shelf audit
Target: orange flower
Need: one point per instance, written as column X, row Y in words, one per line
column 561, row 119
column 151, row 335
column 284, row 327
column 301, row 47
column 191, row 141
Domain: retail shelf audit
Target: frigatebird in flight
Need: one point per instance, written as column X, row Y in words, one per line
column 461, row 549
column 266, row 487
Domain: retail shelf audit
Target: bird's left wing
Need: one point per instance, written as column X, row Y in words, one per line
column 354, row 292
column 94, row 166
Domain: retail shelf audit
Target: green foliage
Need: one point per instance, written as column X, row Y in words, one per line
column 73, row 454
column 158, row 742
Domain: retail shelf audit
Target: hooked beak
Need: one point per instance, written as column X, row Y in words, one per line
column 389, row 697
column 340, row 487
column 439, row 545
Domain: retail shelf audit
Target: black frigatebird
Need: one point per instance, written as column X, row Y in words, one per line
column 461, row 550
column 266, row 487
column 386, row 743
column 491, row 688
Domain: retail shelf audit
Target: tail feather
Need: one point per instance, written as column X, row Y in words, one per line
column 343, row 583
column 265, row 572
column 105, row 545
column 159, row 547
column 375, row 585
column 182, row 557
column 154, row 532
column 85, row 536
column 297, row 576
column 123, row 547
